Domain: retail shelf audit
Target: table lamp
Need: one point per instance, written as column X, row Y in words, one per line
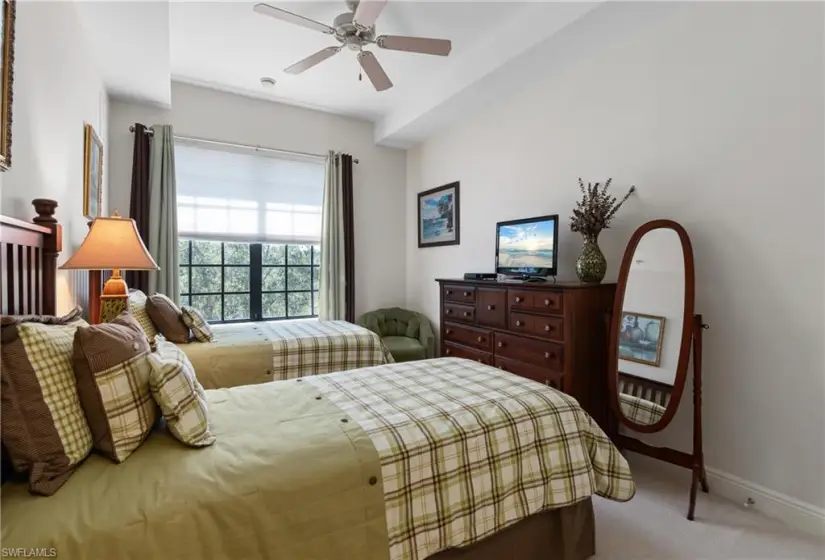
column 112, row 243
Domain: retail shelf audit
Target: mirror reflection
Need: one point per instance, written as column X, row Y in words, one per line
column 651, row 327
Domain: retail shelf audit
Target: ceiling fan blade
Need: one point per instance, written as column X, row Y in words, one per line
column 374, row 71
column 312, row 60
column 289, row 17
column 441, row 47
column 367, row 12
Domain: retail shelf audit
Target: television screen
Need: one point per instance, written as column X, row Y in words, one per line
column 527, row 246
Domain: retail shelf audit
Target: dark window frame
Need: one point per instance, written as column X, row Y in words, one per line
column 256, row 291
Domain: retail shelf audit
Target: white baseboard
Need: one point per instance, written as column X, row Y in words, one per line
column 794, row 513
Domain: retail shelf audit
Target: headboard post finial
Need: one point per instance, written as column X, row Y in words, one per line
column 45, row 211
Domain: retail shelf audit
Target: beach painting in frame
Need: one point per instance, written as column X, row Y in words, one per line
column 92, row 173
column 438, row 216
column 640, row 339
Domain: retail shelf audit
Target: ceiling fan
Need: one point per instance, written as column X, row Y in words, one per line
column 355, row 30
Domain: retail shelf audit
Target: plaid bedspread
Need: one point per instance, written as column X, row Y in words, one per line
column 640, row 411
column 467, row 450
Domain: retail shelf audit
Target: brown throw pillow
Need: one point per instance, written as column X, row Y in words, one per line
column 168, row 318
column 111, row 363
column 43, row 426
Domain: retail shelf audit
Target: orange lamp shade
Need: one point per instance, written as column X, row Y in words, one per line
column 112, row 243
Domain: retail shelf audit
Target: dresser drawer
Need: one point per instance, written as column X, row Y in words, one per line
column 454, row 292
column 536, row 300
column 459, row 312
column 455, row 351
column 536, row 352
column 548, row 327
column 530, row 371
column 491, row 307
column 468, row 336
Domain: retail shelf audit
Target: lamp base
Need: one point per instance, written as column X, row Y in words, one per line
column 115, row 297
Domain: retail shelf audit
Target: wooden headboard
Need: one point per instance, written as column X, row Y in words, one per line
column 28, row 254
column 645, row 388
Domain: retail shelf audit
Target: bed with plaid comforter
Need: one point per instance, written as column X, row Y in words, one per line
column 467, row 450
column 249, row 353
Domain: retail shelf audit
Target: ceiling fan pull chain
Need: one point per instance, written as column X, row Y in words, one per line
column 359, row 76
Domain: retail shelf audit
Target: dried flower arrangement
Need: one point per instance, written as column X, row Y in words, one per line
column 596, row 209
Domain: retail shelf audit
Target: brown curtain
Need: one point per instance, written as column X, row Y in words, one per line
column 139, row 201
column 349, row 236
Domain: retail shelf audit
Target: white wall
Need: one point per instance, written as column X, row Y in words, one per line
column 715, row 112
column 56, row 91
column 379, row 178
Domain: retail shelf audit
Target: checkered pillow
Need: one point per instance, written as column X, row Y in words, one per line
column 111, row 364
column 180, row 396
column 43, row 425
column 195, row 320
column 137, row 307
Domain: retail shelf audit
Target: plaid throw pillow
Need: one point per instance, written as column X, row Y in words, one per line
column 137, row 307
column 195, row 320
column 111, row 364
column 43, row 425
column 168, row 318
column 180, row 396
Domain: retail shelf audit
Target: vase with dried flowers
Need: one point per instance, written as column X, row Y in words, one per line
column 592, row 214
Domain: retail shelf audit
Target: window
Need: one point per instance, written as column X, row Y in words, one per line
column 250, row 226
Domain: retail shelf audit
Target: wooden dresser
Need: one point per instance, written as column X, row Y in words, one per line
column 553, row 333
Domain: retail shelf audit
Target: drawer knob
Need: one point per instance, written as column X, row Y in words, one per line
column 518, row 323
column 466, row 313
column 501, row 345
column 480, row 338
column 466, row 294
column 549, row 355
column 449, row 311
column 490, row 307
column 449, row 292
column 518, row 299
column 447, row 351
column 449, row 331
column 548, row 328
column 547, row 302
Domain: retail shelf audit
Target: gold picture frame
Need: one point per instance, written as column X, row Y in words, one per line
column 92, row 173
column 6, row 82
column 641, row 337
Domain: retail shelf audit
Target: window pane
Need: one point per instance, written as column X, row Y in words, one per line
column 316, row 254
column 206, row 279
column 272, row 279
column 215, row 220
column 315, row 304
column 236, row 253
column 236, row 279
column 183, row 251
column 299, row 254
column 306, row 225
column 210, row 306
column 206, row 252
column 184, row 300
column 186, row 218
column 316, row 278
column 273, row 254
column 298, row 278
column 183, row 275
column 243, row 221
column 279, row 223
column 299, row 304
column 273, row 306
column 236, row 307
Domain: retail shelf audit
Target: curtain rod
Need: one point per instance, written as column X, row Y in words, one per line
column 151, row 132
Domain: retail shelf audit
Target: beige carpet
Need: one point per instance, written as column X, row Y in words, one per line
column 653, row 525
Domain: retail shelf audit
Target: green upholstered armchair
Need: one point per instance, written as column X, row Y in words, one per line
column 406, row 334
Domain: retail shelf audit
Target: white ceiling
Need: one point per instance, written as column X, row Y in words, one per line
column 141, row 45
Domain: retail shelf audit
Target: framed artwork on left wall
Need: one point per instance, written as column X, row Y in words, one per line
column 92, row 173
column 438, row 216
column 6, row 81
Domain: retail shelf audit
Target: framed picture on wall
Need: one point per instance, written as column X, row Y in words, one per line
column 640, row 339
column 438, row 216
column 92, row 173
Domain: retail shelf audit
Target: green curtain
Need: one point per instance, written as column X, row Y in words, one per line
column 332, row 294
column 163, row 214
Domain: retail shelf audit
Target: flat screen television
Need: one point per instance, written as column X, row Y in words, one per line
column 528, row 247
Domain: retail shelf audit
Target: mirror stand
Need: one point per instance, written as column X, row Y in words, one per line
column 694, row 461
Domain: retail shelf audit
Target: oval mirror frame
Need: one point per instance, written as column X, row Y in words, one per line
column 687, row 326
